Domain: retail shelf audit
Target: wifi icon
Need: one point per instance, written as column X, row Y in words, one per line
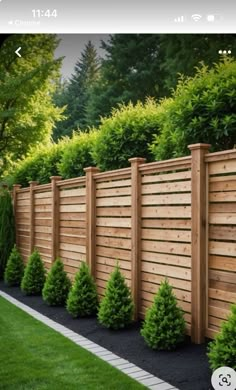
column 196, row 17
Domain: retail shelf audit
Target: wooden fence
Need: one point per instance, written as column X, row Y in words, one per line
column 174, row 218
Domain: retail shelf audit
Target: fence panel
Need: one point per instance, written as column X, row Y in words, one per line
column 22, row 221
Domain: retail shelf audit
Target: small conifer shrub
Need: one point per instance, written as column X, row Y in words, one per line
column 34, row 275
column 222, row 351
column 14, row 270
column 57, row 285
column 116, row 308
column 82, row 300
column 164, row 324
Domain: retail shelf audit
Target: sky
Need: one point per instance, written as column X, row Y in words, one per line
column 71, row 47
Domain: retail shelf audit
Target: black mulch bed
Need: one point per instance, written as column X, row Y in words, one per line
column 186, row 368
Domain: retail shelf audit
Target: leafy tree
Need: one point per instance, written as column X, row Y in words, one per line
column 202, row 109
column 83, row 300
column 34, row 275
column 14, row 270
column 27, row 113
column 116, row 308
column 77, row 155
column 164, row 325
column 126, row 134
column 75, row 93
column 57, row 285
column 7, row 228
column 222, row 351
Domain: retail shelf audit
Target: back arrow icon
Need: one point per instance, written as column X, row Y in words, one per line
column 17, row 52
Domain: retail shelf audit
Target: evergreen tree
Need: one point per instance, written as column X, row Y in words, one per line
column 14, row 269
column 116, row 308
column 222, row 351
column 82, row 300
column 76, row 92
column 57, row 285
column 164, row 325
column 7, row 228
column 34, row 275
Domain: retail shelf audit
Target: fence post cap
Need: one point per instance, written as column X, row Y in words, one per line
column 33, row 183
column 140, row 160
column 17, row 186
column 92, row 169
column 199, row 146
column 55, row 178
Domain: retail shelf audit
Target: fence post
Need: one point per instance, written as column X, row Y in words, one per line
column 31, row 216
column 15, row 188
column 55, row 217
column 199, row 241
column 91, row 218
column 135, row 231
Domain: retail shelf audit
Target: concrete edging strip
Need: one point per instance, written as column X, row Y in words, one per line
column 130, row 369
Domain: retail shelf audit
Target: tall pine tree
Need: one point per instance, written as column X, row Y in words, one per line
column 76, row 92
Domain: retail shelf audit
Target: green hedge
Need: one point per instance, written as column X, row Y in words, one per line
column 202, row 109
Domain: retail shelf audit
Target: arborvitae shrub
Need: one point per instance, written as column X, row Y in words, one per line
column 116, row 309
column 82, row 300
column 7, row 228
column 34, row 275
column 57, row 285
column 222, row 351
column 14, row 270
column 164, row 325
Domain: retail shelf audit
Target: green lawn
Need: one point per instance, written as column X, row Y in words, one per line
column 35, row 357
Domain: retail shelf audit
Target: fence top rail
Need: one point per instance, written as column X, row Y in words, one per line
column 123, row 173
column 21, row 190
column 42, row 187
column 166, row 165
column 220, row 156
column 71, row 182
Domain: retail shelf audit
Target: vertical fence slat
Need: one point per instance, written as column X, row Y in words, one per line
column 55, row 217
column 91, row 218
column 199, row 242
column 135, row 231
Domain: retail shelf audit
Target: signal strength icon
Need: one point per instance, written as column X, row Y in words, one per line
column 179, row 19
column 196, row 17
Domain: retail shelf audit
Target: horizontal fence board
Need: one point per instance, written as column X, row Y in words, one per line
column 222, row 248
column 22, row 196
column 217, row 167
column 222, row 218
column 23, row 202
column 114, row 242
column 166, row 199
column 113, row 222
column 80, row 191
column 113, row 184
column 111, row 192
column 222, row 263
column 166, row 270
column 43, row 222
column 169, row 187
column 73, row 247
column 166, row 212
column 113, row 232
column 72, row 240
column 112, row 262
column 216, row 284
column 79, row 223
column 72, row 208
column 72, row 200
column 222, row 196
column 67, row 254
column 119, row 254
column 222, row 295
column 166, row 223
column 113, row 211
column 107, row 269
column 225, row 183
column 166, row 247
column 223, row 276
column 153, row 288
column 172, row 176
column 218, row 312
column 162, row 258
column 166, row 235
column 114, row 201
column 41, row 195
column 155, row 278
column 74, row 231
column 228, row 207
column 186, row 306
column 42, row 201
column 71, row 216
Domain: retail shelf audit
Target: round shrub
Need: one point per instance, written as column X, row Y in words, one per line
column 201, row 109
column 77, row 155
column 125, row 134
column 7, row 228
column 164, row 324
column 14, row 270
column 222, row 351
column 57, row 285
column 116, row 308
column 82, row 300
column 34, row 275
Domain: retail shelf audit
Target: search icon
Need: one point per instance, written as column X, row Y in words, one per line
column 224, row 378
